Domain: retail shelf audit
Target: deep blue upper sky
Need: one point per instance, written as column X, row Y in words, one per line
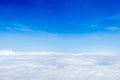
column 59, row 16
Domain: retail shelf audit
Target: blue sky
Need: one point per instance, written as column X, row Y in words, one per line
column 60, row 25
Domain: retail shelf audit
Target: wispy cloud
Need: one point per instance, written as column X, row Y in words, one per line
column 110, row 23
column 14, row 27
column 113, row 28
column 18, row 27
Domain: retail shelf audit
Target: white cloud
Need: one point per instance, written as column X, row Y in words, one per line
column 7, row 52
column 58, row 66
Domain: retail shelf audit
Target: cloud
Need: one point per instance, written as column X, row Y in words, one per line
column 113, row 28
column 7, row 52
column 18, row 27
column 58, row 66
column 110, row 23
column 15, row 27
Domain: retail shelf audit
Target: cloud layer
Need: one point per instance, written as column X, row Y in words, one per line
column 58, row 66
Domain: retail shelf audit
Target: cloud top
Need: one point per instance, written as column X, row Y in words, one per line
column 58, row 66
column 7, row 52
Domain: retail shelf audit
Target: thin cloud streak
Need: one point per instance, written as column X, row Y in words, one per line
column 113, row 28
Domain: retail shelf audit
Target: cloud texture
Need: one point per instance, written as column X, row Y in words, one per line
column 58, row 66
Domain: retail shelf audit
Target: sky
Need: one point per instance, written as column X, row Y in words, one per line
column 60, row 25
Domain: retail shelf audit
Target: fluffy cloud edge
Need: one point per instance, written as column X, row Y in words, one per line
column 13, row 52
